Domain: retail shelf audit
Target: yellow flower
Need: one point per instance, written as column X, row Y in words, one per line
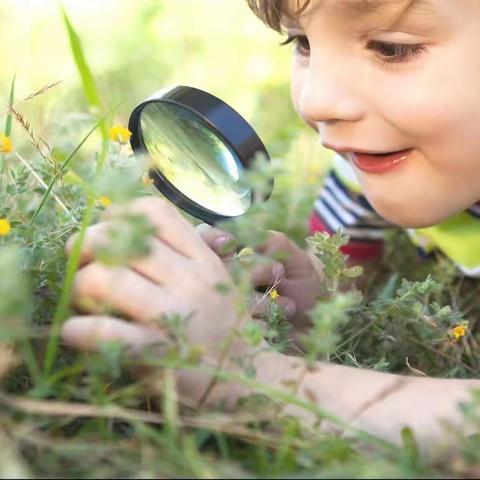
column 105, row 201
column 274, row 294
column 458, row 332
column 6, row 145
column 5, row 227
column 120, row 134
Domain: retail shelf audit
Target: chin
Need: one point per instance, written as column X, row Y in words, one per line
column 411, row 216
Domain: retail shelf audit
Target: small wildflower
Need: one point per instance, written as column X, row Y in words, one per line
column 105, row 201
column 274, row 294
column 246, row 252
column 5, row 227
column 146, row 179
column 6, row 145
column 458, row 332
column 120, row 134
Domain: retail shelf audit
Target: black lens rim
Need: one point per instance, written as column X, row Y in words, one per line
column 223, row 120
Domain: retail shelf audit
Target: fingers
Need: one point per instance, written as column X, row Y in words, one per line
column 222, row 243
column 86, row 255
column 171, row 227
column 99, row 288
column 263, row 271
column 162, row 261
column 88, row 332
column 293, row 258
column 278, row 242
column 267, row 274
column 96, row 236
column 260, row 305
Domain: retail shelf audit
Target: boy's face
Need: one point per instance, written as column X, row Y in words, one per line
column 369, row 84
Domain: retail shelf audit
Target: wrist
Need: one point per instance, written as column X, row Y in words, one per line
column 269, row 368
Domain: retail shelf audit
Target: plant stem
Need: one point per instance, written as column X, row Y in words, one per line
column 64, row 166
column 61, row 311
column 224, row 354
column 44, row 185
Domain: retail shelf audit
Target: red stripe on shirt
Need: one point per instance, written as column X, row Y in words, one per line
column 357, row 251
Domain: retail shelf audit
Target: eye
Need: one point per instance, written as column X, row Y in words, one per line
column 302, row 45
column 395, row 52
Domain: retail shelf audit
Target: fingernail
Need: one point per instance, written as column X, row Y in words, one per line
column 221, row 242
column 278, row 271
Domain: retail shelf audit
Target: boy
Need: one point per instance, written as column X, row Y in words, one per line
column 392, row 87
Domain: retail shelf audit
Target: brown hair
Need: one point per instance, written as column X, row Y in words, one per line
column 271, row 11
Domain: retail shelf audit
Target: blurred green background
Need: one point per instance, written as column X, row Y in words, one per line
column 135, row 47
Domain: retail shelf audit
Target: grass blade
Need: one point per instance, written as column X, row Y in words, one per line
column 89, row 86
column 62, row 309
column 88, row 81
column 74, row 258
column 62, row 169
column 8, row 131
column 8, row 123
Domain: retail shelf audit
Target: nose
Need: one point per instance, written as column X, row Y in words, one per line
column 329, row 93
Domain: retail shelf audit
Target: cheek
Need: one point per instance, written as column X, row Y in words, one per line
column 435, row 108
column 438, row 105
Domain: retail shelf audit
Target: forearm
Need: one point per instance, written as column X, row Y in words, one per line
column 381, row 404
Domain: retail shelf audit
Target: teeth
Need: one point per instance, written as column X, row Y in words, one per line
column 400, row 159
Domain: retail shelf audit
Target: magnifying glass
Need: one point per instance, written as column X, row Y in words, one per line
column 199, row 149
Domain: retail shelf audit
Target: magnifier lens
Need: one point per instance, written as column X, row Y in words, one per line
column 194, row 159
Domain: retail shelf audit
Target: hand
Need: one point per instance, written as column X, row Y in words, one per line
column 180, row 275
column 298, row 276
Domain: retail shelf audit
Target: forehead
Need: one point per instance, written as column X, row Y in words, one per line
column 355, row 8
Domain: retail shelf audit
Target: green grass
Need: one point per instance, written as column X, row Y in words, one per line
column 67, row 414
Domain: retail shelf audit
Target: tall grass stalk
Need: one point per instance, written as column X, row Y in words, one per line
column 88, row 81
column 8, row 128
column 94, row 100
column 9, row 120
column 62, row 309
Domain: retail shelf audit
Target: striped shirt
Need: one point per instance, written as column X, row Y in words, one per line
column 341, row 205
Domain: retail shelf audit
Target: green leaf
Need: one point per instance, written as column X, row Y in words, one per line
column 88, row 81
column 8, row 123
column 389, row 290
column 89, row 86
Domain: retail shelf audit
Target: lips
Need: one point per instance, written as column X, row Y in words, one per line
column 379, row 163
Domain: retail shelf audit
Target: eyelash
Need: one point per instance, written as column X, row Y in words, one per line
column 297, row 41
column 401, row 52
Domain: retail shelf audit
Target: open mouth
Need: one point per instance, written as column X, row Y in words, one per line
column 379, row 162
